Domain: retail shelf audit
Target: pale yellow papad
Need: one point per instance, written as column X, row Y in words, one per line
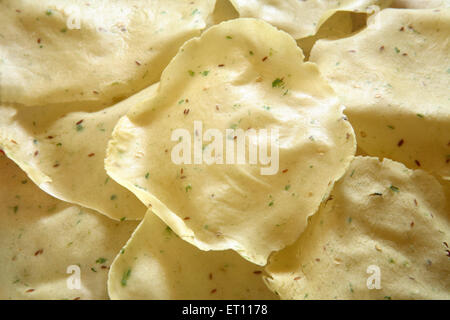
column 62, row 149
column 100, row 52
column 40, row 237
column 239, row 74
column 156, row 264
column 302, row 19
column 223, row 11
column 420, row 4
column 339, row 25
column 381, row 219
column 396, row 88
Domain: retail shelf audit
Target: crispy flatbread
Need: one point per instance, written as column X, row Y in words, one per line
column 420, row 4
column 302, row 19
column 239, row 74
column 62, row 149
column 98, row 52
column 395, row 88
column 382, row 234
column 41, row 237
column 156, row 264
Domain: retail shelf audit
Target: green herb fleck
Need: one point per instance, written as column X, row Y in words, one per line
column 287, row 187
column 93, row 270
column 79, row 127
column 123, row 218
column 420, row 115
column 270, row 203
column 397, row 50
column 126, row 275
column 277, row 83
column 394, row 188
column 147, row 175
column 113, row 197
column 101, row 260
column 387, row 298
column 205, row 73
column 251, row 53
column 188, row 187
column 191, row 73
column 16, row 208
column 229, row 37
column 48, row 12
